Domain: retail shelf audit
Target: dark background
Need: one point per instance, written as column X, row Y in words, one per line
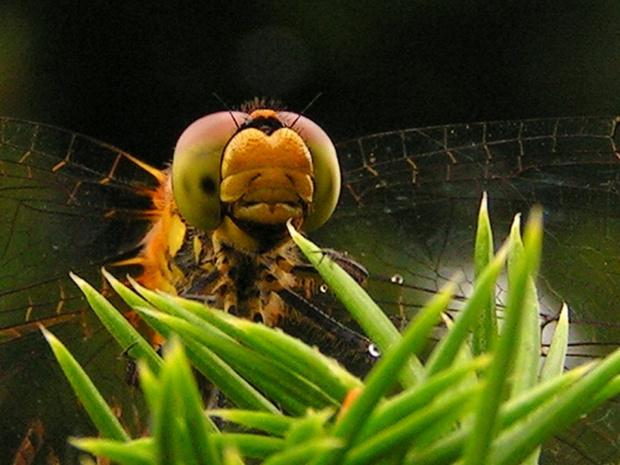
column 135, row 74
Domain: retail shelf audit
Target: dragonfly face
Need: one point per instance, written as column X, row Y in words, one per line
column 407, row 211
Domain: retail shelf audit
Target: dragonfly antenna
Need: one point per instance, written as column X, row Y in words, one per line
column 303, row 112
column 227, row 108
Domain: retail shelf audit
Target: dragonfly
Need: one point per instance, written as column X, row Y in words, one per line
column 407, row 211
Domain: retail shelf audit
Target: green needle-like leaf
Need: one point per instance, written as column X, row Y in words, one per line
column 129, row 339
column 98, row 410
column 361, row 306
column 485, row 332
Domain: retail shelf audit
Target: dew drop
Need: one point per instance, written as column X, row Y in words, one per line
column 374, row 351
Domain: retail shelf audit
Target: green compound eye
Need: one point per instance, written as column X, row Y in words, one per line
column 326, row 168
column 196, row 167
column 197, row 164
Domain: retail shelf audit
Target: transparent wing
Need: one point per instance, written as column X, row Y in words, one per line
column 68, row 203
column 409, row 209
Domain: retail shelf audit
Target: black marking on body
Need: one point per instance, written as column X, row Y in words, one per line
column 278, row 287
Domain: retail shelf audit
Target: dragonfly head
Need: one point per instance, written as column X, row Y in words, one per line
column 263, row 168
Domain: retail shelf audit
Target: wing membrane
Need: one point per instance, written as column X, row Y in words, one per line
column 409, row 209
column 68, row 203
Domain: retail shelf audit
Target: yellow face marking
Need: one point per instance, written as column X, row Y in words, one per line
column 268, row 178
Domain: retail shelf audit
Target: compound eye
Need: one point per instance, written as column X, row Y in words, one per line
column 196, row 167
column 326, row 168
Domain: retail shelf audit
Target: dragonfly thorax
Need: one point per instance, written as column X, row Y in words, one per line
column 241, row 282
column 278, row 287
